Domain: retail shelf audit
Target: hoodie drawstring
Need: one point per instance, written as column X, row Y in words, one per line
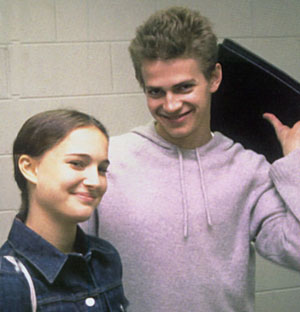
column 206, row 207
column 184, row 196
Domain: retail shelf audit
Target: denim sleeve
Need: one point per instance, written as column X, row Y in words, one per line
column 14, row 293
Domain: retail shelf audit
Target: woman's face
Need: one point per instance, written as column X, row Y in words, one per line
column 71, row 177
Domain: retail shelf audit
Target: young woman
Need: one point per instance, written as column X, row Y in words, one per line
column 48, row 263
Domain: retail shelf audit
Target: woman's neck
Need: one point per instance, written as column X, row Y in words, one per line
column 59, row 234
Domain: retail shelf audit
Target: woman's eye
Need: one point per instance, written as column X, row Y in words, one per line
column 77, row 164
column 103, row 170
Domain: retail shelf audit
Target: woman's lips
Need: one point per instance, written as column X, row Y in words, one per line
column 86, row 197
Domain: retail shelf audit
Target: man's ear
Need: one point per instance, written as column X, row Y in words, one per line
column 216, row 78
column 28, row 167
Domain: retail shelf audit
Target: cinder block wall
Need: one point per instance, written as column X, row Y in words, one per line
column 73, row 53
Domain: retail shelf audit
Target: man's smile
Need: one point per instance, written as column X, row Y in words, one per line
column 175, row 117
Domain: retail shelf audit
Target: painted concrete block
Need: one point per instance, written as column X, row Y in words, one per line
column 35, row 20
column 281, row 52
column 116, row 20
column 6, row 219
column 3, row 72
column 270, row 276
column 65, row 69
column 5, row 21
column 9, row 193
column 122, row 69
column 71, row 20
column 229, row 18
column 287, row 300
column 276, row 18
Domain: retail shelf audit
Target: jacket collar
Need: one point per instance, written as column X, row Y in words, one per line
column 47, row 259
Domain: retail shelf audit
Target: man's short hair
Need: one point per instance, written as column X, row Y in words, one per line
column 173, row 33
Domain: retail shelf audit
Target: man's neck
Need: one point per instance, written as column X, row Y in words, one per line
column 186, row 142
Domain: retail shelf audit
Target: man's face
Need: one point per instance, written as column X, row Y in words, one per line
column 178, row 97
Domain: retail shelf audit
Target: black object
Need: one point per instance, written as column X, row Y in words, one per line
column 250, row 87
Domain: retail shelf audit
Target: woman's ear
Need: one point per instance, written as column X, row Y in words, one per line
column 28, row 167
column 216, row 78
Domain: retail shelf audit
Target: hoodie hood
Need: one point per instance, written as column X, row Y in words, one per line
column 216, row 143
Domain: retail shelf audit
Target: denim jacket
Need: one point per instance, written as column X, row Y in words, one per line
column 86, row 280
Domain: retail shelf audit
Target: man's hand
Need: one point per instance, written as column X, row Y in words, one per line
column 289, row 138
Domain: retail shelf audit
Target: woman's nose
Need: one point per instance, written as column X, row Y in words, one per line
column 91, row 177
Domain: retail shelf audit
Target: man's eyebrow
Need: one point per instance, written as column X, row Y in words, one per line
column 189, row 81
column 152, row 87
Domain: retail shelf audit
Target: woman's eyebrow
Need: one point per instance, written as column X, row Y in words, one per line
column 106, row 162
column 78, row 154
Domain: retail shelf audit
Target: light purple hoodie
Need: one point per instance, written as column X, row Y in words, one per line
column 186, row 221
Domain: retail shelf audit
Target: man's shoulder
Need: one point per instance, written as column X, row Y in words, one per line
column 126, row 144
column 237, row 155
column 123, row 139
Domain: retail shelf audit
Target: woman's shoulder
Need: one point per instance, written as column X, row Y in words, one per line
column 105, row 255
column 14, row 290
column 101, row 245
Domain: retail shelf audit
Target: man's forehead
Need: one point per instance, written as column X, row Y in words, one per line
column 158, row 73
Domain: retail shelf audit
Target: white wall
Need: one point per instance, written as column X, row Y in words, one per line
column 73, row 53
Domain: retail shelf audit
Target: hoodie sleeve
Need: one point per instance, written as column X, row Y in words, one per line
column 279, row 237
column 285, row 173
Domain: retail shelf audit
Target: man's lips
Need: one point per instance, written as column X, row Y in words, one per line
column 175, row 117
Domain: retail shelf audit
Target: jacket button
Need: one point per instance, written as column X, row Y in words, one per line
column 122, row 308
column 90, row 302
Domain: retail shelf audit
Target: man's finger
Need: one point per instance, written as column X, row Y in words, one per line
column 278, row 126
column 273, row 120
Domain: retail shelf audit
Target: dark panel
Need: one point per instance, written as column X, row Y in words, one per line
column 250, row 87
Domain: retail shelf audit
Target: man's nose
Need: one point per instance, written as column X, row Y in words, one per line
column 172, row 103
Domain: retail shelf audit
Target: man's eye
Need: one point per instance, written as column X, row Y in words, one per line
column 154, row 93
column 184, row 88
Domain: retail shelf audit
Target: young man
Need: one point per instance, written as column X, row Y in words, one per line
column 187, row 207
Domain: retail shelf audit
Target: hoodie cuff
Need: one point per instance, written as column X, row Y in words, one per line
column 285, row 173
column 287, row 168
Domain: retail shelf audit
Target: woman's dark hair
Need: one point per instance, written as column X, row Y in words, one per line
column 40, row 133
